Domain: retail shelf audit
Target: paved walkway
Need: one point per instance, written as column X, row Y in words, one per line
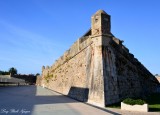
column 32, row 100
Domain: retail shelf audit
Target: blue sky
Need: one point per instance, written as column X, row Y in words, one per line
column 34, row 33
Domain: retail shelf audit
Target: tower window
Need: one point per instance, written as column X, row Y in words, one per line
column 96, row 20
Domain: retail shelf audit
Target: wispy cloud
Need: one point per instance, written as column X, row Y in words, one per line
column 30, row 39
column 24, row 47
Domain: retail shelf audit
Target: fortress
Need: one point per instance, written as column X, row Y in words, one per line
column 98, row 68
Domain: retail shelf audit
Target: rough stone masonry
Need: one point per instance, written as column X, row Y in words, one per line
column 98, row 68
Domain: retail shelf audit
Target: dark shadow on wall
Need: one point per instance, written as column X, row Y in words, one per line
column 79, row 93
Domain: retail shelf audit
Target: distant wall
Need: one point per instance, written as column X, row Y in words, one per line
column 30, row 79
column 5, row 76
column 39, row 80
column 158, row 78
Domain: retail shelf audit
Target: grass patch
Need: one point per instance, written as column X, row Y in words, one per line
column 154, row 102
column 115, row 105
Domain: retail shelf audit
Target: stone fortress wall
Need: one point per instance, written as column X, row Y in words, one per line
column 98, row 68
column 70, row 75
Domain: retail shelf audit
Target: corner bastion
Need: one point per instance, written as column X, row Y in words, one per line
column 98, row 68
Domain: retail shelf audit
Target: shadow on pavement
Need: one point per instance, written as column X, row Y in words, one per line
column 16, row 100
column 24, row 99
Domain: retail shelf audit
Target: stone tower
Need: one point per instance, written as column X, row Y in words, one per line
column 101, row 23
column 98, row 68
column 101, row 31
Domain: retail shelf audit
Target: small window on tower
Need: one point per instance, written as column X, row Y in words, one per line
column 96, row 20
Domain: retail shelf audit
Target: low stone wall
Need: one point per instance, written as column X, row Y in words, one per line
column 140, row 108
column 5, row 76
column 7, row 80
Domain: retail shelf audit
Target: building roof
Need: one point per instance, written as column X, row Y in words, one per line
column 158, row 78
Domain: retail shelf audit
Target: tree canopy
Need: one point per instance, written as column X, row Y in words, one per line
column 4, row 72
column 13, row 70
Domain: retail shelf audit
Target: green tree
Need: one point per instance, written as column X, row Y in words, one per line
column 37, row 74
column 4, row 72
column 156, row 75
column 13, row 70
column 1, row 72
